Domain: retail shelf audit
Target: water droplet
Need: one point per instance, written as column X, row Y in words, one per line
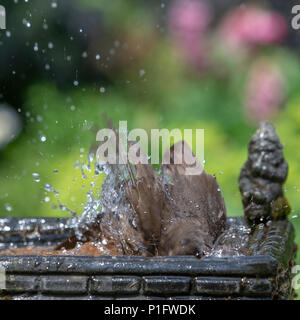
column 26, row 23
column 8, row 207
column 142, row 72
column 36, row 47
column 36, row 177
column 39, row 118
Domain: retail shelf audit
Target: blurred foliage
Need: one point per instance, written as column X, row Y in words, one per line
column 68, row 119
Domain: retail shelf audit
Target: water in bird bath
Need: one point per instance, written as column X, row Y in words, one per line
column 141, row 211
column 109, row 225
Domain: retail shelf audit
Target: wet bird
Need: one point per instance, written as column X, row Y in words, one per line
column 183, row 216
column 146, row 214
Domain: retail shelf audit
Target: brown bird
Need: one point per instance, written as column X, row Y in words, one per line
column 147, row 214
column 182, row 217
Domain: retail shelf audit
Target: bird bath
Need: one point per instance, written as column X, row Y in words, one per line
column 265, row 273
column 251, row 259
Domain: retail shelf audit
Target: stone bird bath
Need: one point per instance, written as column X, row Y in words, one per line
column 252, row 259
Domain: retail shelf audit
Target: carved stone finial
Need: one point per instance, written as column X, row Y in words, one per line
column 263, row 175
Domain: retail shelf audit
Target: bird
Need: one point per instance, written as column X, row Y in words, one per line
column 171, row 214
column 182, row 217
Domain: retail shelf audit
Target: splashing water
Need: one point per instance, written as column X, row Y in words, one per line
column 234, row 241
column 108, row 215
column 112, row 208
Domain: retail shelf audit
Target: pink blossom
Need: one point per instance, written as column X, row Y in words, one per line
column 251, row 25
column 189, row 18
column 188, row 24
column 264, row 91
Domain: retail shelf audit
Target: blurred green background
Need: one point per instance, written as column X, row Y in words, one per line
column 220, row 66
